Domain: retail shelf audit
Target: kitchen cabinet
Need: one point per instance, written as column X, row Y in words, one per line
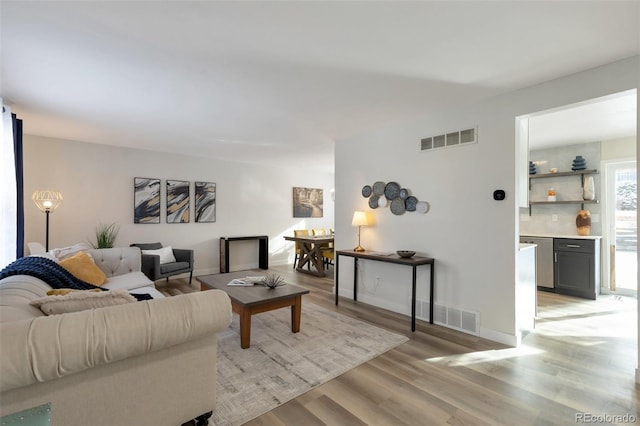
column 544, row 260
column 580, row 173
column 577, row 267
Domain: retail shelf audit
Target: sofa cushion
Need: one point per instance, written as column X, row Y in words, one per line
column 81, row 300
column 165, row 253
column 81, row 265
column 175, row 266
column 128, row 281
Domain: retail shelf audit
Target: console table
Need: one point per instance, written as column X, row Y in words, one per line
column 263, row 251
column 414, row 262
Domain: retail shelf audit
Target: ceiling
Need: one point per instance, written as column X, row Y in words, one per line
column 603, row 119
column 282, row 82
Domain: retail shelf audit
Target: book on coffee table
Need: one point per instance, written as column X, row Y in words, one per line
column 246, row 281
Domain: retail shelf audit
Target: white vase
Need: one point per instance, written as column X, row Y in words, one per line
column 588, row 189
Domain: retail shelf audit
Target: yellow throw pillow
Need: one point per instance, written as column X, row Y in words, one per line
column 81, row 266
column 63, row 291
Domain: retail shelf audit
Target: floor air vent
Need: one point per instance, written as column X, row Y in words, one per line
column 447, row 140
column 449, row 317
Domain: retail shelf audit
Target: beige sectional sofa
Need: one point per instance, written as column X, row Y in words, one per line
column 143, row 363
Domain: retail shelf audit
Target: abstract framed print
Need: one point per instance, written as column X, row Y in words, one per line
column 146, row 200
column 205, row 194
column 178, row 201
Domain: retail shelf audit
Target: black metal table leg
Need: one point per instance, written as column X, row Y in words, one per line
column 413, row 301
column 337, row 276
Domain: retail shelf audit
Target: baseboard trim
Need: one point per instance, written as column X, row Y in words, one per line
column 500, row 337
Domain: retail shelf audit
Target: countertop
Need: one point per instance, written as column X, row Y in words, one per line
column 573, row 237
column 524, row 246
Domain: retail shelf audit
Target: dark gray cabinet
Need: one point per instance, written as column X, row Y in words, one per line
column 576, row 269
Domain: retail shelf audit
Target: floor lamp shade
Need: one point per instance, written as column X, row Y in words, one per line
column 359, row 219
column 47, row 201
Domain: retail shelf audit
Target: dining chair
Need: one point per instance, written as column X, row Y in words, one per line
column 299, row 233
column 328, row 255
column 325, row 249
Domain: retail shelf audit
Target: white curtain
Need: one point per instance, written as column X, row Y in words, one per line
column 8, row 191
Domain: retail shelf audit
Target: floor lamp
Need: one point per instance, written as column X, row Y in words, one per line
column 359, row 219
column 47, row 201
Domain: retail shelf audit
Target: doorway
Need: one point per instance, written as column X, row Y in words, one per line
column 609, row 121
column 622, row 227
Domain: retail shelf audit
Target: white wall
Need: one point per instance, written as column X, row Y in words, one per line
column 616, row 149
column 472, row 237
column 96, row 182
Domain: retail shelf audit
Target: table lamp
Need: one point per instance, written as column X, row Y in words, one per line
column 359, row 219
column 47, row 201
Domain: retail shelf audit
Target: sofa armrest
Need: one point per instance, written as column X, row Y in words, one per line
column 46, row 348
column 150, row 265
column 183, row 255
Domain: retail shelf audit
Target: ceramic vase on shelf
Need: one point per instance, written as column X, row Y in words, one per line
column 583, row 223
column 588, row 190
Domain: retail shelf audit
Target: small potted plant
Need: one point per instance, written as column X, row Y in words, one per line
column 106, row 235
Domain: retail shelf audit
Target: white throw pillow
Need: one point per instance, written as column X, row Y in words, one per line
column 65, row 252
column 165, row 253
column 82, row 300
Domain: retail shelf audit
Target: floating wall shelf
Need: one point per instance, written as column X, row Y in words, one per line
column 580, row 173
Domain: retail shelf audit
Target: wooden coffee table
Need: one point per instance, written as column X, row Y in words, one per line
column 247, row 301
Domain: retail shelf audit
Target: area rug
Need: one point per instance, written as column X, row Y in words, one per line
column 281, row 365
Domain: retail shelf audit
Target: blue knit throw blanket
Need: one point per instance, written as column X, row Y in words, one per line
column 51, row 273
column 48, row 271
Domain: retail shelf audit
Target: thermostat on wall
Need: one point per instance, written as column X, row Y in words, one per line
column 499, row 195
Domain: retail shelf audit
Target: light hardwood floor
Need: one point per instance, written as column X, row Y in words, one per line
column 581, row 358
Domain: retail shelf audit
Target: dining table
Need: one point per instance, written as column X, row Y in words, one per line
column 311, row 253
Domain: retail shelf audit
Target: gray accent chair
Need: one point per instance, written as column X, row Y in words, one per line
column 152, row 268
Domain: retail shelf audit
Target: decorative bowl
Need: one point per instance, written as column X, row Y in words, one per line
column 405, row 253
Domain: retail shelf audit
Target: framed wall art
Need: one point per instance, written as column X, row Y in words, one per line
column 205, row 194
column 178, row 201
column 307, row 202
column 146, row 200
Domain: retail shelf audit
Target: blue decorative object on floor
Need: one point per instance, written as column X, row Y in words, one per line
column 36, row 416
column 579, row 163
column 532, row 168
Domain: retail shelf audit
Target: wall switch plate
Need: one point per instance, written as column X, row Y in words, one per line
column 554, row 217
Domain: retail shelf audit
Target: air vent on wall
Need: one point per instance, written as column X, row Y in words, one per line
column 447, row 316
column 447, row 140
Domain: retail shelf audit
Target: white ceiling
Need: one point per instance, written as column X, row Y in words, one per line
column 604, row 119
column 277, row 82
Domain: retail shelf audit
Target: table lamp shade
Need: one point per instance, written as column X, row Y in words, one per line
column 359, row 219
column 46, row 200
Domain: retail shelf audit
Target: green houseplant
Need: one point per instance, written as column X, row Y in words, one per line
column 106, row 235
